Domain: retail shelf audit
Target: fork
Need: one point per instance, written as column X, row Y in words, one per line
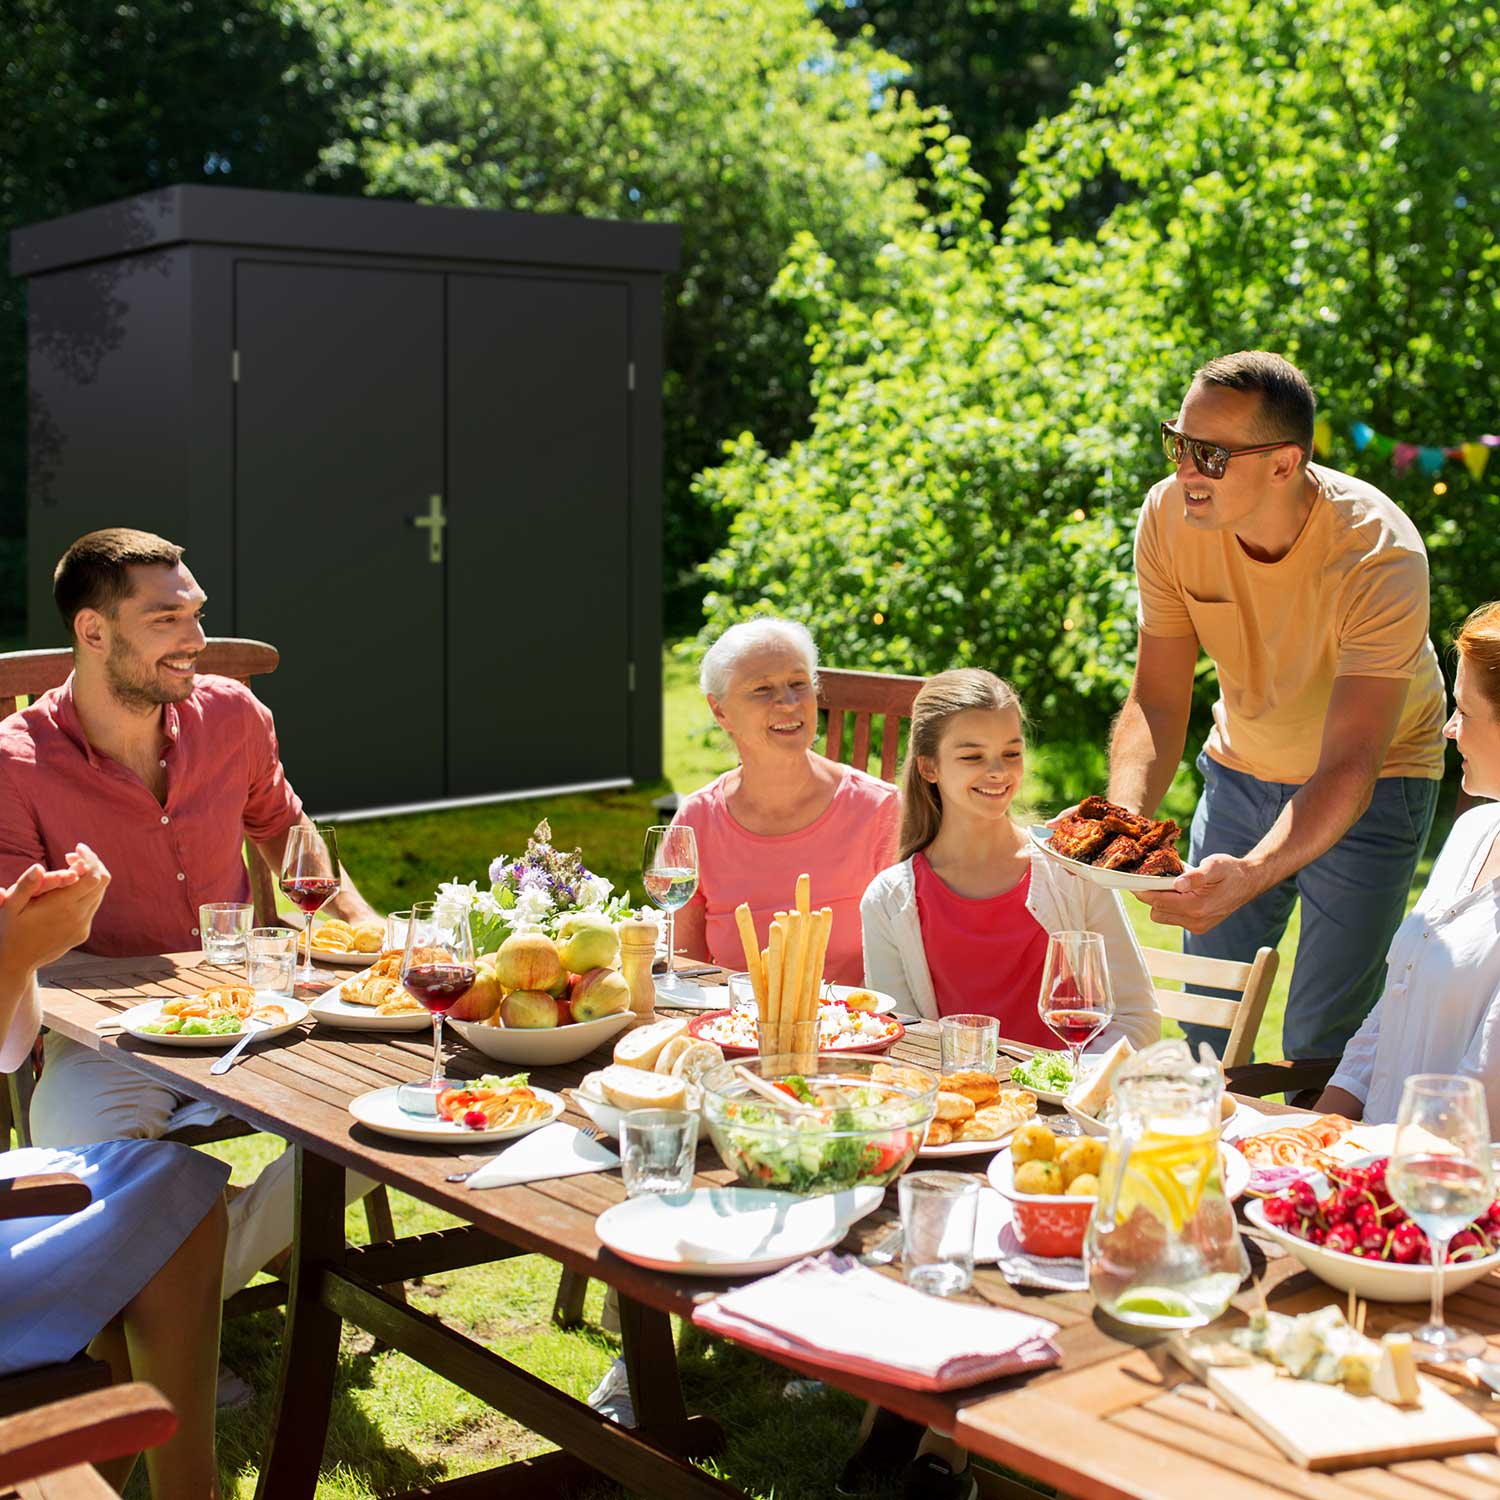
column 586, row 1131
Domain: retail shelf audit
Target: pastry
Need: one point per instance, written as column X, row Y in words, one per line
column 979, row 1087
column 953, row 1107
column 939, row 1133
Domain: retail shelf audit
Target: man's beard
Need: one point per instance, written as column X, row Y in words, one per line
column 134, row 685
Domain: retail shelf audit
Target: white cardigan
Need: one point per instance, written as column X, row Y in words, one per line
column 896, row 962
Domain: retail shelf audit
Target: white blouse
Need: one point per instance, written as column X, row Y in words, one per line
column 1440, row 1012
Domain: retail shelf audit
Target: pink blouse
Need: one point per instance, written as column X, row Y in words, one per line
column 841, row 850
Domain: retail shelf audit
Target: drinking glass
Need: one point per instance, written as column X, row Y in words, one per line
column 938, row 1210
column 395, row 928
column 437, row 969
column 310, row 878
column 1441, row 1173
column 223, row 926
column 968, row 1043
column 658, row 1148
column 271, row 959
column 669, row 871
column 742, row 993
column 1075, row 1002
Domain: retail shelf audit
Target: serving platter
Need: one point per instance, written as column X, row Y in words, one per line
column 379, row 1110
column 1115, row 880
column 138, row 1015
column 703, row 1027
column 333, row 1010
column 730, row 1231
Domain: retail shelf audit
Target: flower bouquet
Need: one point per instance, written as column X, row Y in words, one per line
column 533, row 893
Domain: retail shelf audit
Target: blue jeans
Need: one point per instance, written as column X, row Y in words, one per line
column 1353, row 898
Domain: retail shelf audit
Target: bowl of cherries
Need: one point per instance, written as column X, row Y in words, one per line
column 1344, row 1227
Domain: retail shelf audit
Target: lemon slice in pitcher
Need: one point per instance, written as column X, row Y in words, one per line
column 1166, row 1174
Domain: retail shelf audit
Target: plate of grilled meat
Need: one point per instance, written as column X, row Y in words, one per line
column 1112, row 846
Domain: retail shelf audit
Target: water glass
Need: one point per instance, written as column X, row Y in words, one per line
column 395, row 929
column 969, row 1042
column 271, row 959
column 658, row 1148
column 742, row 993
column 938, row 1210
column 224, row 925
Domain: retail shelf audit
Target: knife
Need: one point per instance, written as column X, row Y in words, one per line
column 1485, row 1370
column 226, row 1062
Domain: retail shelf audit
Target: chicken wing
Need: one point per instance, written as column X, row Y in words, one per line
column 1078, row 838
column 1163, row 861
column 1122, row 854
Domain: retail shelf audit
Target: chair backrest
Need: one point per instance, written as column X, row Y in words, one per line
column 62, row 1436
column 866, row 694
column 1240, row 1018
column 28, row 674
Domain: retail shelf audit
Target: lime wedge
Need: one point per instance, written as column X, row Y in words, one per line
column 1155, row 1302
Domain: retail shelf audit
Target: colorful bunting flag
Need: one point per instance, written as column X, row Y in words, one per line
column 1429, row 459
column 1476, row 456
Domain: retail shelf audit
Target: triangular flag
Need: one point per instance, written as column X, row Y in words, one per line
column 1490, row 440
column 1430, row 460
column 1402, row 456
column 1361, row 432
column 1323, row 436
column 1476, row 456
column 1382, row 444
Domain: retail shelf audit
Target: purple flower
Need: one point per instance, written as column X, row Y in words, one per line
column 499, row 868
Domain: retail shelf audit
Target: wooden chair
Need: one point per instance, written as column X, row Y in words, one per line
column 48, row 1453
column 866, row 695
column 1240, row 1018
column 28, row 674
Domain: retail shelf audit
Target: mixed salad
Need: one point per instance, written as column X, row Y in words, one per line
column 1044, row 1070
column 858, row 1134
column 195, row 1026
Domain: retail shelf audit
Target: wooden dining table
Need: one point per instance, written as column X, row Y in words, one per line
column 1115, row 1419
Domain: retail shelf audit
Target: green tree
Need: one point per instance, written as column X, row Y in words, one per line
column 743, row 124
column 104, row 101
column 1308, row 175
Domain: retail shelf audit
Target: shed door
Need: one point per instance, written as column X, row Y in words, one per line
column 539, row 521
column 338, row 443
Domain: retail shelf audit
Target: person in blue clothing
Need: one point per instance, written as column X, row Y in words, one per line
column 135, row 1276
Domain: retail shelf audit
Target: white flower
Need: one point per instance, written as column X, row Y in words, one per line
column 533, row 907
column 594, row 891
column 486, row 905
column 460, row 893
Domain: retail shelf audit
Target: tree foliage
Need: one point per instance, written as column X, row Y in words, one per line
column 745, row 124
column 1313, row 176
column 100, row 101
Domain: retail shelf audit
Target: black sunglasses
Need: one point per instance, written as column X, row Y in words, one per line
column 1211, row 460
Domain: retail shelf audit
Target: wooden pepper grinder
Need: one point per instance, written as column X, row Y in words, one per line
column 637, row 949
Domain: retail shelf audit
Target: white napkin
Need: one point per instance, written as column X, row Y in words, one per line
column 857, row 1319
column 995, row 1240
column 556, row 1150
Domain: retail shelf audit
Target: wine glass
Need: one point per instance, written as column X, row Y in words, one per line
column 438, row 970
column 1441, row 1173
column 669, row 871
column 1075, row 1002
column 310, row 878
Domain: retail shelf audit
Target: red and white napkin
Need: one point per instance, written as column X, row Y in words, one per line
column 831, row 1309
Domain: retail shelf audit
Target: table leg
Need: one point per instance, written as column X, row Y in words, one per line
column 651, row 1365
column 310, row 1344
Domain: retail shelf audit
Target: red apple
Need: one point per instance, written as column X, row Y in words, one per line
column 599, row 993
column 528, row 961
column 528, row 1010
column 483, row 999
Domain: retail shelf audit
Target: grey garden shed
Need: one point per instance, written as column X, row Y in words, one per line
column 417, row 449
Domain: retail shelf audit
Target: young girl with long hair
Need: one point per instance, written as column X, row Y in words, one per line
column 960, row 923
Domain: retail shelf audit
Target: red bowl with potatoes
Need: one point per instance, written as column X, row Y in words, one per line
column 1047, row 1224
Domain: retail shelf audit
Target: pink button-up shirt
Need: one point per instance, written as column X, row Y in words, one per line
column 224, row 781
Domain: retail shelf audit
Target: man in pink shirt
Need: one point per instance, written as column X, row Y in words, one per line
column 162, row 773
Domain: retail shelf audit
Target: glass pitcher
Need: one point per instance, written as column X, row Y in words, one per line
column 1163, row 1249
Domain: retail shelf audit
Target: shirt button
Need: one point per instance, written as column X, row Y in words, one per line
column 182, row 875
column 162, row 764
column 165, row 818
column 195, row 932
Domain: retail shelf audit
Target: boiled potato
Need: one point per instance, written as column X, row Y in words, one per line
column 1039, row 1177
column 1227, row 1106
column 1085, row 1155
column 1032, row 1142
column 1085, row 1185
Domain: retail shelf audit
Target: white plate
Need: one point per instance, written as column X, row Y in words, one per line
column 885, row 1004
column 138, row 1015
column 378, row 1109
column 1378, row 1280
column 1234, row 1172
column 968, row 1148
column 333, row 1010
column 1043, row 1096
column 688, row 994
column 730, row 1231
column 542, row 1046
column 330, row 959
column 1116, row 880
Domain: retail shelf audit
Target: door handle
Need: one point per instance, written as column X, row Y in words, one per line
column 433, row 523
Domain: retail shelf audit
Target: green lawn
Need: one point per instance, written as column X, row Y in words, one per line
column 395, row 1426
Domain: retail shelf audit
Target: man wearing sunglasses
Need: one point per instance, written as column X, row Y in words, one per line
column 1308, row 590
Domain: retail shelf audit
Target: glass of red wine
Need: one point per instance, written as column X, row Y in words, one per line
column 1075, row 1003
column 310, row 879
column 438, row 970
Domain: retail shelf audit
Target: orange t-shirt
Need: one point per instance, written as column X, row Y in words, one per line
column 842, row 850
column 1349, row 600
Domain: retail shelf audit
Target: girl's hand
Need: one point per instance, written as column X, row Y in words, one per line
column 47, row 912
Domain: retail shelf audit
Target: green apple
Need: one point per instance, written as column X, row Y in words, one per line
column 601, row 992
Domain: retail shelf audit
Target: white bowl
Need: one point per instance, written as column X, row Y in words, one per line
column 607, row 1116
column 1378, row 1280
column 540, row 1046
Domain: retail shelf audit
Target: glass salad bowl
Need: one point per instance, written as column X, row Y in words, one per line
column 848, row 1122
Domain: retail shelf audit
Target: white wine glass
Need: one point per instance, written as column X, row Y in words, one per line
column 669, row 871
column 1441, row 1173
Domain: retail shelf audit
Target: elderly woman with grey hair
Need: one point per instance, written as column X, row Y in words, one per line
column 784, row 810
